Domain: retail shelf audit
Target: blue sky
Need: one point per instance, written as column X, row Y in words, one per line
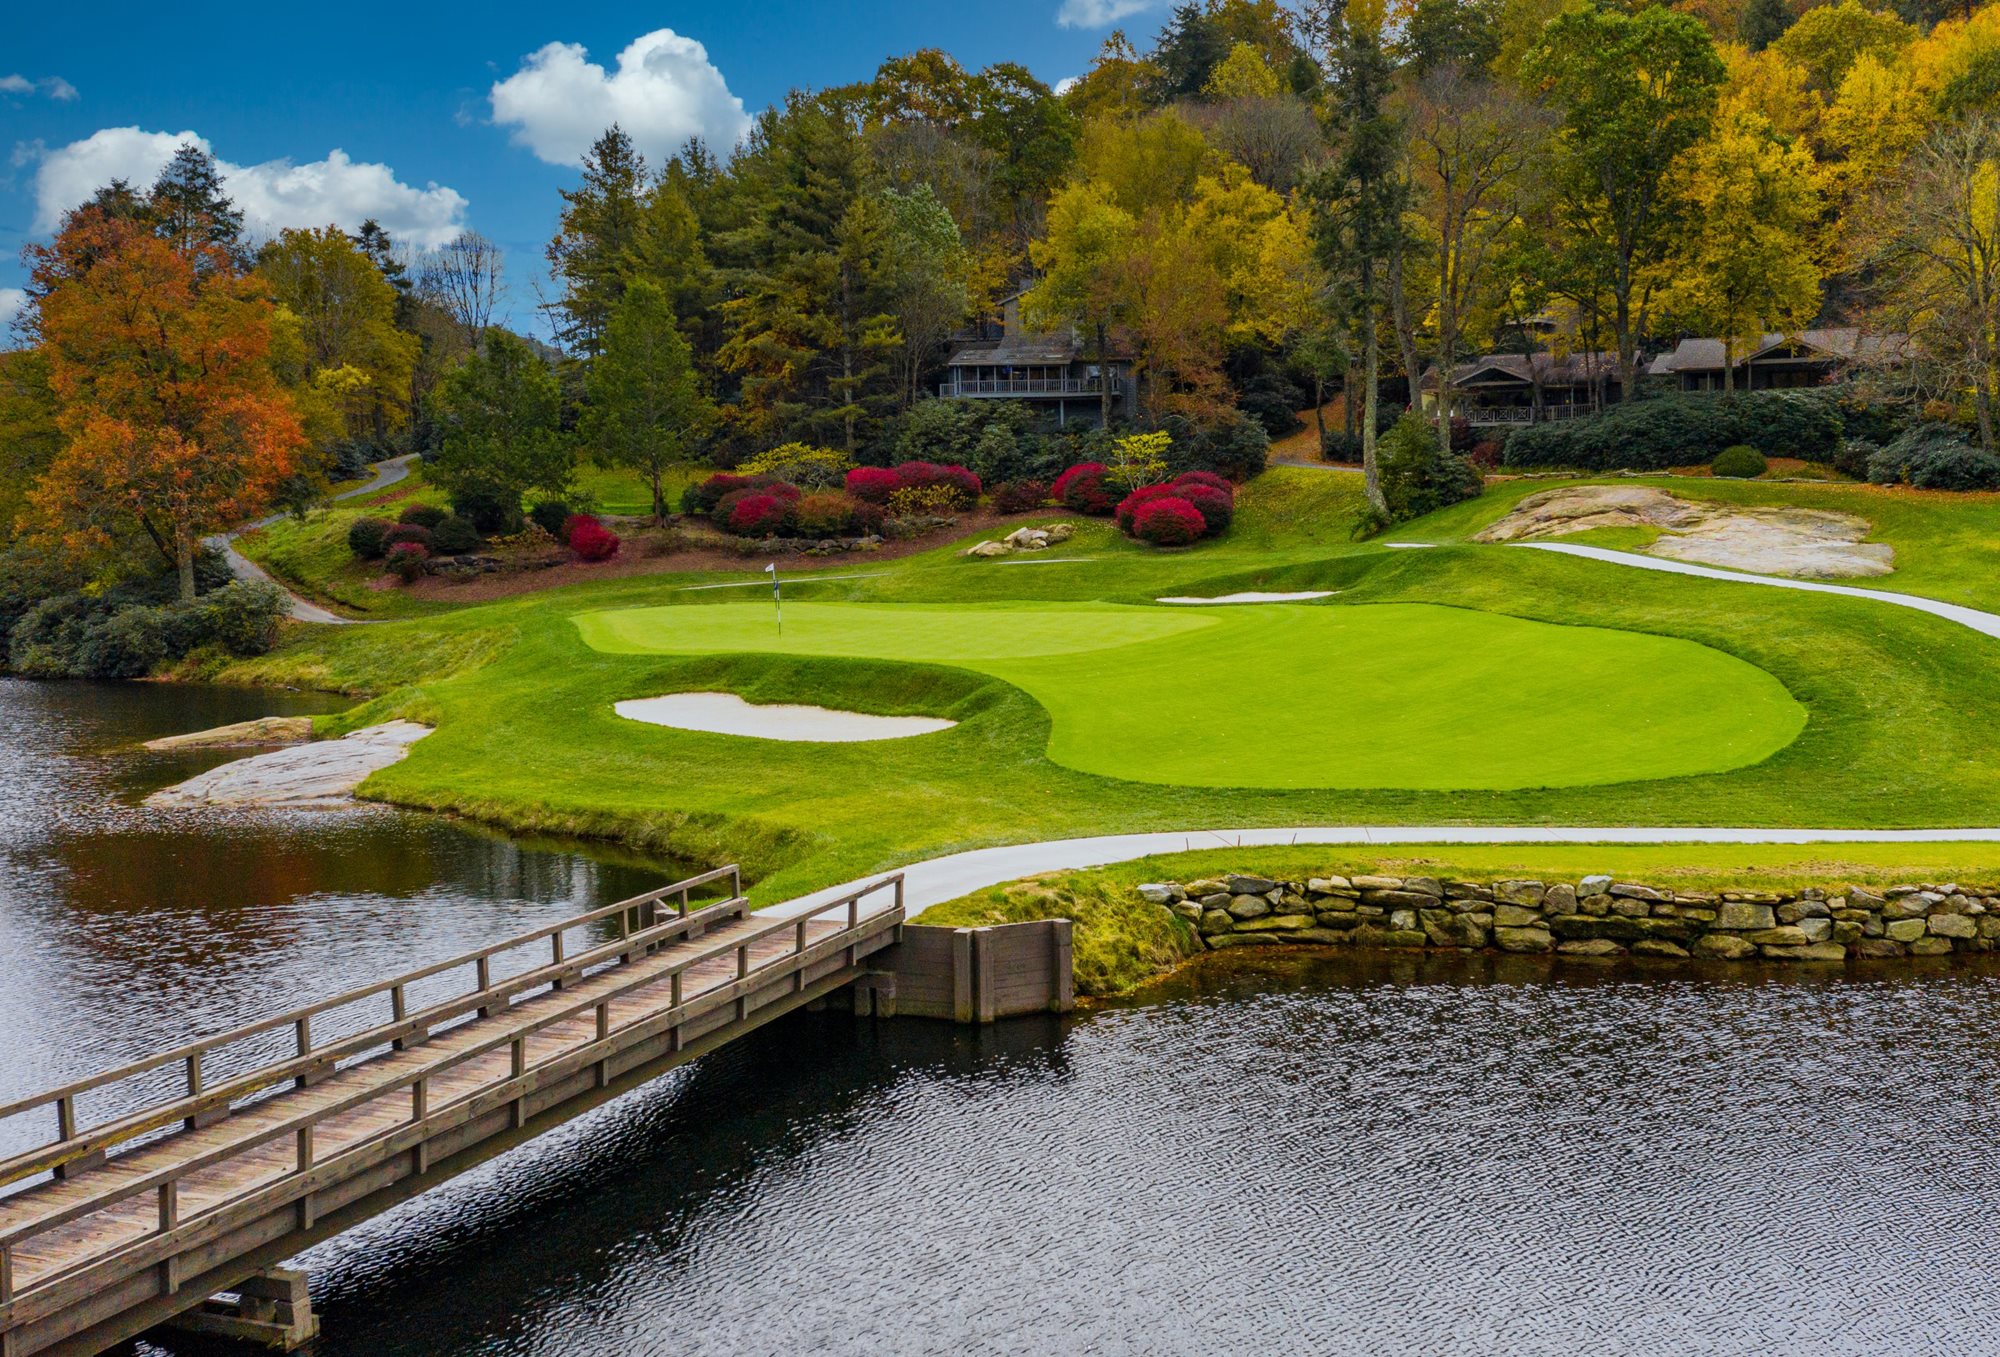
column 443, row 116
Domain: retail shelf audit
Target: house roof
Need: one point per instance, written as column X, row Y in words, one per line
column 1573, row 369
column 1840, row 344
column 1023, row 350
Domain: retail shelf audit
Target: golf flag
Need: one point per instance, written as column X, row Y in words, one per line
column 777, row 598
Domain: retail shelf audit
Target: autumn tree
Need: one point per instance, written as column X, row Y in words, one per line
column 1828, row 39
column 1745, row 261
column 356, row 363
column 158, row 358
column 192, row 213
column 646, row 409
column 1631, row 92
column 1082, row 261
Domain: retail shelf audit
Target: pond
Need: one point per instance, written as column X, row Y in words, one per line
column 1329, row 1154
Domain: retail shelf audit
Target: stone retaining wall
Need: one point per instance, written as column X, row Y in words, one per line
column 1596, row 916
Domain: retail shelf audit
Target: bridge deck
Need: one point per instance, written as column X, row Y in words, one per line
column 154, row 1210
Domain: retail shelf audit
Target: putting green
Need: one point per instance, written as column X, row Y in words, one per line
column 1405, row 695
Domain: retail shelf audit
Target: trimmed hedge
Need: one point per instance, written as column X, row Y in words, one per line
column 1739, row 463
column 1683, row 430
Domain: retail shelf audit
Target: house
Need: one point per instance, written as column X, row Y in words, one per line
column 1775, row 361
column 1050, row 372
column 1501, row 388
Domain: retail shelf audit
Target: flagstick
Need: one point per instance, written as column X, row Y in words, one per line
column 777, row 597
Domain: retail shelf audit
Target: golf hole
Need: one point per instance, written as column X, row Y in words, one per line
column 728, row 714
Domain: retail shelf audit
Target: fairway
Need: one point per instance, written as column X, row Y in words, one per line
column 1406, row 695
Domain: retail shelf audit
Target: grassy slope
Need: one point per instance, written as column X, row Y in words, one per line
column 1900, row 706
column 310, row 555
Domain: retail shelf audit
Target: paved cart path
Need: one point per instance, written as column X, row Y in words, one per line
column 304, row 610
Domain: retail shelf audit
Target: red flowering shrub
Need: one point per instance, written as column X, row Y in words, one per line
column 1485, row 454
column 1168, row 522
column 833, row 513
column 1017, row 497
column 408, row 534
column 1082, row 488
column 759, row 515
column 1129, row 506
column 1216, row 507
column 1209, row 479
column 406, row 560
column 873, row 483
column 590, row 539
column 707, row 498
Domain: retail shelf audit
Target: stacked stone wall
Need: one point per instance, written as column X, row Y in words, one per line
column 1596, row 916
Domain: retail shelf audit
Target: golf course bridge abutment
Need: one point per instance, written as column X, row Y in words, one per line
column 174, row 1185
column 1593, row 917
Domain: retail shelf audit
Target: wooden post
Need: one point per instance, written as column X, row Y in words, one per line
column 303, row 1029
column 985, row 1002
column 483, row 972
column 961, row 976
column 604, row 1034
column 556, row 947
column 517, row 1065
column 398, row 1010
column 170, row 1204
column 420, row 1107
column 1062, row 958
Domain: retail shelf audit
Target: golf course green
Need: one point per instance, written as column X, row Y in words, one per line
column 1410, row 695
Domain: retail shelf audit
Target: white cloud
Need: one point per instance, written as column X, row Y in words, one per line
column 12, row 299
column 274, row 194
column 1098, row 13
column 1065, row 85
column 54, row 86
column 664, row 91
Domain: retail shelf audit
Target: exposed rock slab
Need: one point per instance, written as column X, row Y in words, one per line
column 262, row 731
column 1760, row 539
column 322, row 773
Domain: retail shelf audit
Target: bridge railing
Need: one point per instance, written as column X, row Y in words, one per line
column 76, row 1142
column 175, row 1232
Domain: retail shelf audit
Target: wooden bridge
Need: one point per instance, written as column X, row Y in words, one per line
column 210, row 1175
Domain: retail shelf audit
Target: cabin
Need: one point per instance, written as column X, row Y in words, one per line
column 1048, row 371
column 1775, row 362
column 1501, row 388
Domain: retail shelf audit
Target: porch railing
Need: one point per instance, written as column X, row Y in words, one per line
column 1026, row 386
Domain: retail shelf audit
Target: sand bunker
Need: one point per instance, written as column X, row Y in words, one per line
column 728, row 714
column 1252, row 597
column 1764, row 540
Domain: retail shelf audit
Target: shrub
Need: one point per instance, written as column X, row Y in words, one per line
column 701, row 499
column 454, row 537
column 1337, row 445
column 590, row 539
column 550, row 516
column 367, row 537
column 124, row 644
column 834, row 513
column 407, row 560
column 873, row 483
column 1485, row 454
column 1129, row 507
column 963, row 486
column 1680, row 430
column 494, row 512
column 1168, row 522
column 759, row 514
column 241, row 617
column 924, row 501
column 1082, row 488
column 1237, row 447
column 1739, row 463
column 408, row 534
column 799, row 464
column 423, row 515
column 1852, row 456
column 1934, row 456
column 1216, row 507
column 1016, row 497
column 1417, row 478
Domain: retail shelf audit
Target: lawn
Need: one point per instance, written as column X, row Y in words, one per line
column 1898, row 707
column 311, row 557
column 1421, row 696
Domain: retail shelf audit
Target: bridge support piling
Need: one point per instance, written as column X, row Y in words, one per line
column 271, row 1309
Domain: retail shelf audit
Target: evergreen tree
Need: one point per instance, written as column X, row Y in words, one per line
column 499, row 416
column 646, row 409
column 376, row 243
column 192, row 211
column 596, row 248
column 1763, row 23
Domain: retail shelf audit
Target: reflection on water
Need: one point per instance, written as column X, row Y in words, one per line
column 125, row 929
column 1397, row 1155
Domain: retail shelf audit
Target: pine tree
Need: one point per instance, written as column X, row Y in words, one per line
column 191, row 208
column 1763, row 23
column 596, row 248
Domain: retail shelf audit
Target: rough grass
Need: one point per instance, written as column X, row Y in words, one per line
column 310, row 555
column 1900, row 707
column 1119, row 941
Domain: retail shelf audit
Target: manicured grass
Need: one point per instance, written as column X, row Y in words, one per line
column 1119, row 941
column 1421, row 696
column 614, row 490
column 311, row 557
column 1900, row 707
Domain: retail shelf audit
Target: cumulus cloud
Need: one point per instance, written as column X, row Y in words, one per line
column 1098, row 13
column 272, row 195
column 53, row 86
column 664, row 91
column 12, row 299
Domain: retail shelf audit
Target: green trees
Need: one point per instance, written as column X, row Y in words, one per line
column 1082, row 260
column 597, row 245
column 646, row 410
column 1632, row 92
column 499, row 415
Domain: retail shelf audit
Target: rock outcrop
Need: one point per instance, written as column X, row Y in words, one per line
column 323, row 773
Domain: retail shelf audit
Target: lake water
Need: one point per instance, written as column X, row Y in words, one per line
column 1339, row 1154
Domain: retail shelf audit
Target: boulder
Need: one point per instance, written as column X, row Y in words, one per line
column 1818, row 951
column 1590, row 947
column 1378, row 883
column 1515, row 916
column 1658, row 947
column 1528, row 893
column 1322, row 937
column 1245, row 940
column 1190, row 910
column 1216, row 921
column 1954, row 925
column 988, row 549
column 1594, row 885
column 1742, row 916
column 1785, row 935
column 1249, row 885
column 1930, row 947
column 1330, row 885
column 1878, row 947
column 1248, row 906
column 1276, row 923
column 1333, row 919
column 1726, row 946
column 1524, row 939
column 1904, row 930
column 1061, row 532
column 1027, row 539
column 1161, row 893
column 1560, row 899
column 1627, row 891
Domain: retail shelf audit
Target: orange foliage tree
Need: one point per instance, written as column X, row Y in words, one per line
column 159, row 360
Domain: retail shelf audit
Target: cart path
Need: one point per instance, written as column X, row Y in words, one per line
column 387, row 473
